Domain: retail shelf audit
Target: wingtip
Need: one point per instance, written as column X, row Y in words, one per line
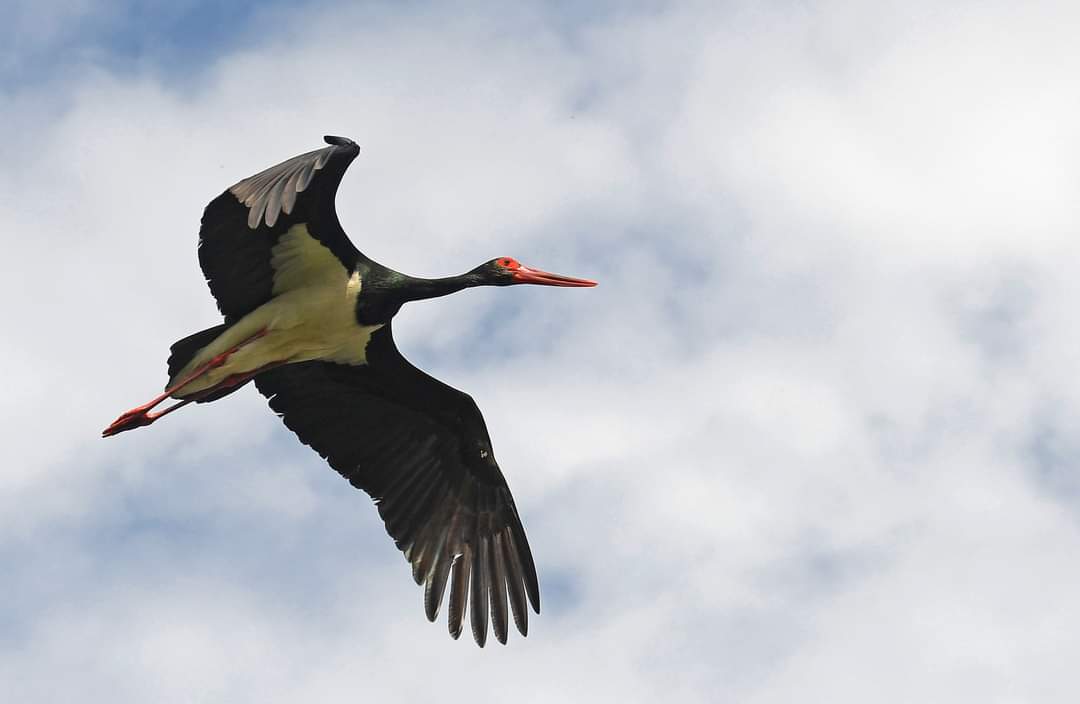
column 340, row 141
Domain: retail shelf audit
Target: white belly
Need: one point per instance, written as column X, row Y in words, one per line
column 311, row 316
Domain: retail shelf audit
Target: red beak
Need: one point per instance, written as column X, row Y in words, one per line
column 528, row 275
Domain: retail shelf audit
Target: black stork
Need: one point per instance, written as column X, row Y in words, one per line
column 308, row 318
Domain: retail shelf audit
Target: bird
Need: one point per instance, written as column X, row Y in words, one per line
column 308, row 318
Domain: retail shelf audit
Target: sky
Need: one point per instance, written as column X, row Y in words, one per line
column 812, row 438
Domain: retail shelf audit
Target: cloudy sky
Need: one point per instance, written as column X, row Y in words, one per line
column 813, row 438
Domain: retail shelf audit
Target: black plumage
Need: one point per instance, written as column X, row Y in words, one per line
column 418, row 447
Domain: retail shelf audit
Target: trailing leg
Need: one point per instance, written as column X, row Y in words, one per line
column 182, row 352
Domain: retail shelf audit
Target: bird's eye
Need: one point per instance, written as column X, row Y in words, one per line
column 508, row 263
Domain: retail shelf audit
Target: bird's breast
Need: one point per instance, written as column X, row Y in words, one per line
column 320, row 323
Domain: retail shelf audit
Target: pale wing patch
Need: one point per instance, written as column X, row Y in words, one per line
column 313, row 322
column 299, row 261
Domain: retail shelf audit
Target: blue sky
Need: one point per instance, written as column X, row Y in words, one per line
column 810, row 438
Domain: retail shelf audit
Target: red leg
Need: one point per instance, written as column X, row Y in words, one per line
column 140, row 415
column 138, row 420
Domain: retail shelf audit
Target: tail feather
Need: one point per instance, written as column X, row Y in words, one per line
column 183, row 351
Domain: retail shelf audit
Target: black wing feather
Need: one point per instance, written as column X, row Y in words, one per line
column 421, row 449
column 241, row 226
column 497, row 585
column 459, row 584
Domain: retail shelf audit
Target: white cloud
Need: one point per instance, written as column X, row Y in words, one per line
column 790, row 447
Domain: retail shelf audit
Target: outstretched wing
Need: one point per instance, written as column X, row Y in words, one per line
column 241, row 226
column 421, row 449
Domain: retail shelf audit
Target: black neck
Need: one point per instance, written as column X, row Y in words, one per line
column 411, row 288
column 384, row 291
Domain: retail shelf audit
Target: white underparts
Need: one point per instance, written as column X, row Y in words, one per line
column 312, row 315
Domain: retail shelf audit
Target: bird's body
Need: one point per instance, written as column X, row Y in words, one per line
column 307, row 317
column 311, row 315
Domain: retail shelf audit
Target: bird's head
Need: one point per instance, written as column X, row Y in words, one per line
column 507, row 271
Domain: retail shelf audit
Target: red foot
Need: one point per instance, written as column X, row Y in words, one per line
column 138, row 417
column 135, row 418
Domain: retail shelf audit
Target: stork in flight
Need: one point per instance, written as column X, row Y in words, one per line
column 308, row 318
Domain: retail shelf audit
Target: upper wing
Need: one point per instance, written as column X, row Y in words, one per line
column 241, row 226
column 421, row 450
